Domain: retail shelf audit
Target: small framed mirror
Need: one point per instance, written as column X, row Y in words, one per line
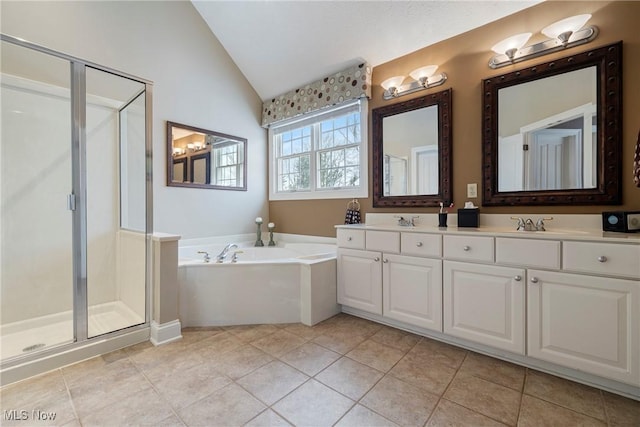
column 202, row 158
column 552, row 132
column 412, row 152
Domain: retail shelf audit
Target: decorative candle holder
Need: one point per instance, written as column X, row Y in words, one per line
column 271, row 226
column 259, row 232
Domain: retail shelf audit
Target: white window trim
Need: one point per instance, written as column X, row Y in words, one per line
column 362, row 191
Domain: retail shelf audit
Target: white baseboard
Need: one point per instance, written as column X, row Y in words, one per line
column 166, row 332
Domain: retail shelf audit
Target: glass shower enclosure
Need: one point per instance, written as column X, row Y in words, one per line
column 75, row 186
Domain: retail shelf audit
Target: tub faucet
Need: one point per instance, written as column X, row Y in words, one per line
column 207, row 258
column 222, row 255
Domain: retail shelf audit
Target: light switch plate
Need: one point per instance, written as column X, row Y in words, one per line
column 472, row 190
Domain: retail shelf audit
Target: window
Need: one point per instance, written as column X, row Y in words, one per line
column 320, row 156
column 228, row 161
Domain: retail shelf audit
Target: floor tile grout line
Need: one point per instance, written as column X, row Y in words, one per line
column 73, row 405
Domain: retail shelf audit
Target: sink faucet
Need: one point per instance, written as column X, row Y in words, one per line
column 528, row 225
column 222, row 255
column 406, row 222
column 540, row 223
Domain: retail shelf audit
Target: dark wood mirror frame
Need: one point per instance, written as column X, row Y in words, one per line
column 608, row 191
column 443, row 101
column 207, row 156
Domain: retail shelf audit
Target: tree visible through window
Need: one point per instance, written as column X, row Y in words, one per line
column 319, row 153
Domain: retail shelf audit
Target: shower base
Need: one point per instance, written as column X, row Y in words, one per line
column 30, row 336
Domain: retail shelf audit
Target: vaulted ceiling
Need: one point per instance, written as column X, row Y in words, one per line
column 280, row 45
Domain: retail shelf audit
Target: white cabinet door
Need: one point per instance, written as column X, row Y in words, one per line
column 360, row 280
column 585, row 322
column 412, row 290
column 485, row 304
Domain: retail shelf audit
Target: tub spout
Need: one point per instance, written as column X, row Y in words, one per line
column 222, row 255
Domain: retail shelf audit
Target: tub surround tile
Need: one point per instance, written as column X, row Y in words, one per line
column 268, row 418
column 360, row 416
column 492, row 400
column 313, row 404
column 396, row 338
column 580, row 398
column 278, row 343
column 272, row 382
column 400, row 402
column 228, row 406
column 351, row 378
column 535, row 412
column 494, row 370
column 451, row 414
column 376, row 355
column 310, row 358
column 621, row 411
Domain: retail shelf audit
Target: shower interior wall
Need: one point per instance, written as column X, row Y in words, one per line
column 32, row 164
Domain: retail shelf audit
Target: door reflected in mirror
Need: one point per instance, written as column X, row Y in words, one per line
column 552, row 143
column 205, row 159
column 411, row 152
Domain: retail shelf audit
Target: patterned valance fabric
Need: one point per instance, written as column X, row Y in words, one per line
column 352, row 83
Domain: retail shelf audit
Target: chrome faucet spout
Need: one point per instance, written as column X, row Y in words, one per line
column 223, row 254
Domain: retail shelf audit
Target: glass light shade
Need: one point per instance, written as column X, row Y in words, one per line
column 571, row 25
column 513, row 42
column 191, row 146
column 392, row 82
column 423, row 72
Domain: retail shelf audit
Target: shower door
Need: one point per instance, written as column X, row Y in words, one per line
column 75, row 190
column 36, row 225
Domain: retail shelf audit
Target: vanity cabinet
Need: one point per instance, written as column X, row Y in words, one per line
column 485, row 304
column 360, row 279
column 565, row 301
column 585, row 322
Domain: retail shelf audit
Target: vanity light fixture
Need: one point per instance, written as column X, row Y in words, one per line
column 423, row 78
column 566, row 33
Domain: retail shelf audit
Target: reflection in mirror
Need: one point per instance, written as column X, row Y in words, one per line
column 205, row 159
column 552, row 132
column 411, row 152
column 548, row 145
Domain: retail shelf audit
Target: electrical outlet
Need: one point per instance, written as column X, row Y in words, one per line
column 472, row 190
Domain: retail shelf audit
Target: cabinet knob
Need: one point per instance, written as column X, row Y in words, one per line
column 602, row 258
column 517, row 278
column 534, row 280
column 466, row 248
column 419, row 244
column 376, row 259
column 349, row 239
column 385, row 260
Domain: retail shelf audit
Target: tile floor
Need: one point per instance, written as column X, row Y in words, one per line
column 345, row 371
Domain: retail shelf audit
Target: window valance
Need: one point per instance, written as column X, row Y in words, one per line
column 352, row 83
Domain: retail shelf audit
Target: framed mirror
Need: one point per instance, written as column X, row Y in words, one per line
column 202, row 158
column 412, row 152
column 552, row 132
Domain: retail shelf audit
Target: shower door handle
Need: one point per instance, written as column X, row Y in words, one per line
column 71, row 202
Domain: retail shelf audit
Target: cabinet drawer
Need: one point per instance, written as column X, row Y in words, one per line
column 427, row 245
column 383, row 241
column 528, row 252
column 348, row 238
column 604, row 258
column 468, row 248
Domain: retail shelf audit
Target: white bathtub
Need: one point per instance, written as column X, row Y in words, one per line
column 289, row 283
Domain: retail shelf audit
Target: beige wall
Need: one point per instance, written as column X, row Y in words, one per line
column 464, row 58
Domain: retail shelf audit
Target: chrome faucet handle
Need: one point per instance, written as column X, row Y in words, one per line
column 528, row 225
column 520, row 223
column 234, row 258
column 413, row 220
column 540, row 223
column 207, row 258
